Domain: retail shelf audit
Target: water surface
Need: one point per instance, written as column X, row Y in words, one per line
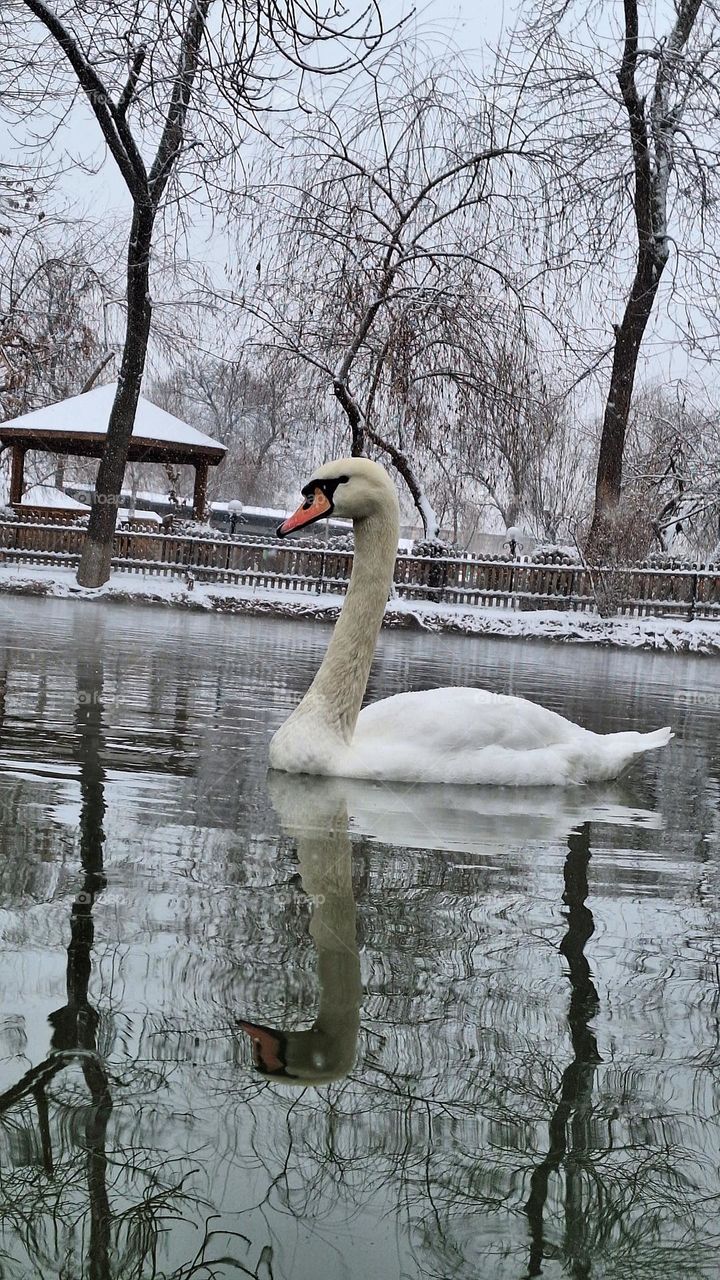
column 482, row 1031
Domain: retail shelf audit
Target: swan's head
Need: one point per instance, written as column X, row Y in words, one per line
column 301, row 1058
column 352, row 488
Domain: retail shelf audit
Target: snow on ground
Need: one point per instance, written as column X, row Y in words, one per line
column 46, row 495
column 147, row 517
column 669, row 634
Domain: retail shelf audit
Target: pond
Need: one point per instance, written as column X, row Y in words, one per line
column 291, row 1028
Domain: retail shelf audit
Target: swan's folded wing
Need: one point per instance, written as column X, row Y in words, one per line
column 472, row 736
column 461, row 721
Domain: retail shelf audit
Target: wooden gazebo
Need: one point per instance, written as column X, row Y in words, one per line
column 78, row 428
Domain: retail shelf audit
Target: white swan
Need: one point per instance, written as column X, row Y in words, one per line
column 440, row 735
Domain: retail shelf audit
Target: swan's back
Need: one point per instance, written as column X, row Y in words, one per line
column 474, row 736
column 462, row 719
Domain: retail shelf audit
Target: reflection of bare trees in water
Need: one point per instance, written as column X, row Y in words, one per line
column 426, row 1115
column 625, row 1204
column 474, row 1112
column 437, row 1134
column 569, row 1129
column 74, row 1026
column 57, row 1209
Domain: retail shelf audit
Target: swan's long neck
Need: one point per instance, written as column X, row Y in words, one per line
column 340, row 683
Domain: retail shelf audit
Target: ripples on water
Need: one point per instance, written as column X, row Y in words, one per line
column 514, row 1063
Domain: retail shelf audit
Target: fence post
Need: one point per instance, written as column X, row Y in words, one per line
column 321, row 575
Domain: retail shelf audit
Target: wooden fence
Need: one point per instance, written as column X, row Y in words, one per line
column 636, row 590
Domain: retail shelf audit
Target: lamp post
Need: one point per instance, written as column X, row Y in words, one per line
column 236, row 509
column 514, row 534
column 513, row 540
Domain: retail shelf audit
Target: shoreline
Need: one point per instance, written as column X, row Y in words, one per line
column 667, row 635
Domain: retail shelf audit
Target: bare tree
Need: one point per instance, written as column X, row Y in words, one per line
column 51, row 291
column 54, row 276
column 382, row 262
column 141, row 73
column 507, row 447
column 147, row 186
column 633, row 111
column 673, row 468
column 653, row 127
column 258, row 407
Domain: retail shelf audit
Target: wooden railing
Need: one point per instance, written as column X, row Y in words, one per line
column 636, row 590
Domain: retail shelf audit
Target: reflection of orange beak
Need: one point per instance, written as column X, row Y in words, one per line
column 267, row 1047
column 313, row 508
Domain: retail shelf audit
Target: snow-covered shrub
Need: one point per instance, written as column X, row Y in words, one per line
column 7, row 513
column 435, row 549
column 666, row 560
column 554, row 553
column 343, row 542
column 194, row 529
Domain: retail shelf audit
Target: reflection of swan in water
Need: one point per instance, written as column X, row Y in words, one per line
column 320, row 813
column 314, row 812
column 491, row 820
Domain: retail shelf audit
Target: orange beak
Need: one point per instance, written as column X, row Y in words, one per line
column 313, row 508
column 267, row 1047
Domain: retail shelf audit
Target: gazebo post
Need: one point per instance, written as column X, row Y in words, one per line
column 17, row 473
column 200, row 490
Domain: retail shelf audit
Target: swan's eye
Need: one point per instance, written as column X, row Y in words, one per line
column 327, row 487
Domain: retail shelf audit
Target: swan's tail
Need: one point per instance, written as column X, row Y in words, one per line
column 621, row 748
column 651, row 741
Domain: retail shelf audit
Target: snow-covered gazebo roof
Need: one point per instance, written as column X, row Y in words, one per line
column 78, row 427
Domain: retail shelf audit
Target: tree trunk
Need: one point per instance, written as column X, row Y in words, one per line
column 94, row 567
column 652, row 126
column 628, row 339
column 352, row 411
column 430, row 523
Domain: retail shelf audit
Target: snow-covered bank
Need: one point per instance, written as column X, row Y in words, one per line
column 667, row 634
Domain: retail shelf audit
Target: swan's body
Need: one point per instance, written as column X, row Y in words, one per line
column 451, row 735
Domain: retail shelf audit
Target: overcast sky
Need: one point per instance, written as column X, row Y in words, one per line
column 472, row 27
